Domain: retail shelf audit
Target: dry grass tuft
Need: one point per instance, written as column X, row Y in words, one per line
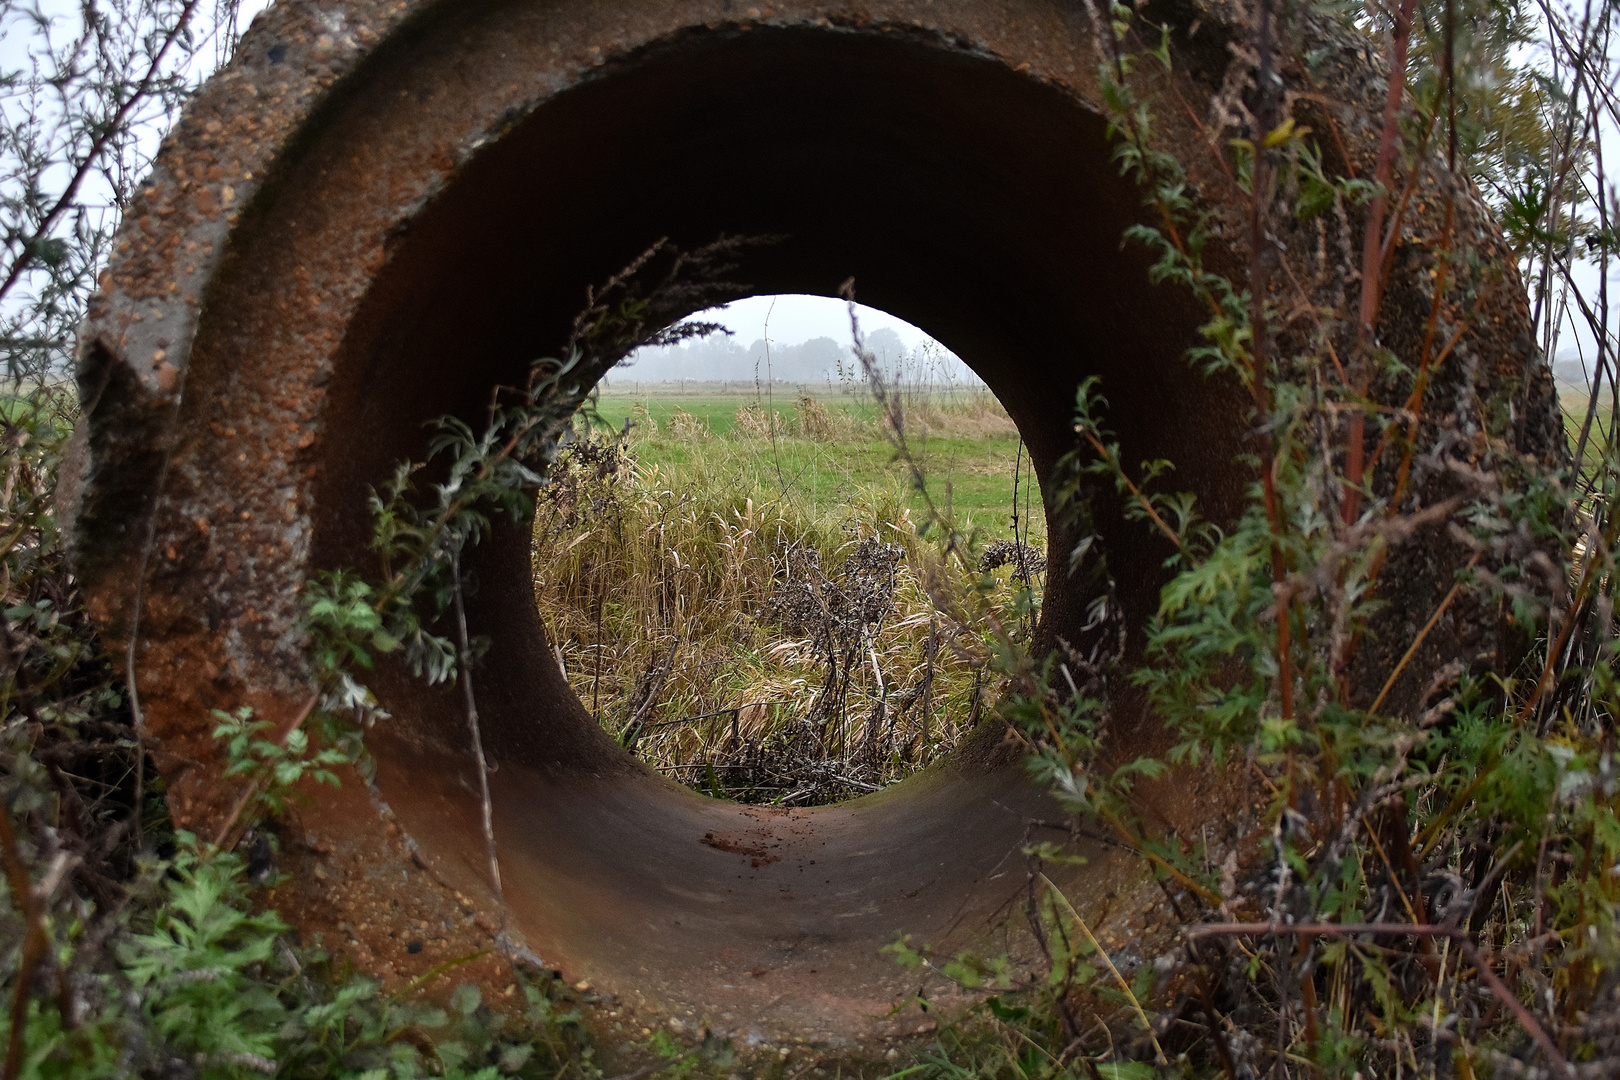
column 752, row 421
column 965, row 413
column 686, row 427
column 812, row 421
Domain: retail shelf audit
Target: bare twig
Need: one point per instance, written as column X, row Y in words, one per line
column 475, row 733
column 1372, row 260
column 1422, row 635
column 1109, row 961
column 114, row 127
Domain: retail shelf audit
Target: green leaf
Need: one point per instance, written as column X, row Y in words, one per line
column 466, row 998
column 1005, row 1013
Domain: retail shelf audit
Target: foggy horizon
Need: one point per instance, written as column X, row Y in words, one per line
column 797, row 339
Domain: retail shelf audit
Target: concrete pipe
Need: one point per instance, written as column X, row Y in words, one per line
column 381, row 208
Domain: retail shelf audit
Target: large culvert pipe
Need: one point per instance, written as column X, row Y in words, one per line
column 380, row 209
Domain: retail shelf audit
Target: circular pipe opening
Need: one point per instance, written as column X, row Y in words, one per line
column 961, row 196
column 379, row 281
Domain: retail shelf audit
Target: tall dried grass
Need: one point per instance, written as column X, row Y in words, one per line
column 664, row 593
column 929, row 409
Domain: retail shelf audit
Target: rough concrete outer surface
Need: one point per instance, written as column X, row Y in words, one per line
column 378, row 210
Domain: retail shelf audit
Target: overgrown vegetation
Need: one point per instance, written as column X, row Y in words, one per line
column 1432, row 890
column 129, row 949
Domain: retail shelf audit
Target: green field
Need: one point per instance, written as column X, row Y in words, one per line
column 968, row 450
column 1575, row 402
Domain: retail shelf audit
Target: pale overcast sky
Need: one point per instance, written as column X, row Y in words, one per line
column 793, row 318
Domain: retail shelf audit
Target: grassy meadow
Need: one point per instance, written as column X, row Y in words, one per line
column 743, row 588
column 835, row 450
column 1575, row 401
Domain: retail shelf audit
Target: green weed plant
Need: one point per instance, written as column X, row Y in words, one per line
column 1431, row 890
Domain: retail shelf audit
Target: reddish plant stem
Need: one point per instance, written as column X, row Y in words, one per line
column 1327, row 104
column 1403, row 852
column 1389, row 137
column 1392, row 231
column 35, row 943
column 1305, row 305
column 1307, row 987
column 1427, row 362
column 1414, row 910
column 1213, row 1025
column 1520, row 1013
column 1372, row 257
column 1260, row 183
column 1414, row 410
column 1591, row 573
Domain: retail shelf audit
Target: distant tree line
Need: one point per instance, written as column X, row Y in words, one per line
column 722, row 358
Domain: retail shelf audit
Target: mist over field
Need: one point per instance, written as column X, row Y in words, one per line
column 722, row 357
